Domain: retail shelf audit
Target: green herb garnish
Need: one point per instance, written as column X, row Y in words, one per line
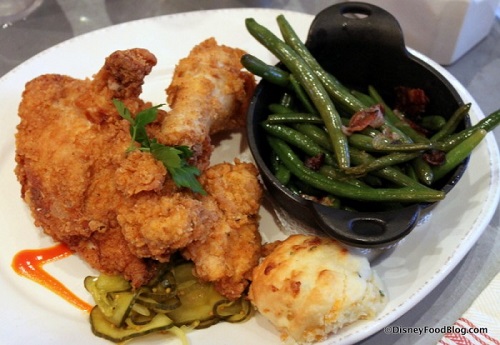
column 174, row 158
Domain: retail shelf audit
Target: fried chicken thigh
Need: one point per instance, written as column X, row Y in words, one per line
column 120, row 211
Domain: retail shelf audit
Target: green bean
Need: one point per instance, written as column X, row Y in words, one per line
column 433, row 122
column 339, row 175
column 371, row 132
column 488, row 123
column 344, row 120
column 382, row 162
column 362, row 142
column 367, row 100
column 315, row 133
column 452, row 123
column 275, row 162
column 293, row 118
column 423, row 171
column 312, row 91
column 273, row 74
column 276, row 108
column 344, row 190
column 334, row 88
column 282, row 174
column 460, row 152
column 358, row 157
column 388, row 173
column 381, row 144
column 302, row 95
column 410, row 172
column 278, row 76
column 279, row 170
column 372, row 180
column 311, row 84
column 298, row 140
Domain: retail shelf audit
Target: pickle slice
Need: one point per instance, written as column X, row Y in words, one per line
column 175, row 297
column 122, row 305
column 233, row 311
column 101, row 327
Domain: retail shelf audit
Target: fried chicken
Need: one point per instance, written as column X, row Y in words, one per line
column 70, row 144
column 214, row 71
column 233, row 246
column 120, row 211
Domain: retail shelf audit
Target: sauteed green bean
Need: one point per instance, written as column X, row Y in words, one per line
column 323, row 135
column 306, row 76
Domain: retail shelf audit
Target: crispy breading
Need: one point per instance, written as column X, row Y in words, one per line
column 119, row 210
column 156, row 226
column 214, row 71
column 70, row 144
column 233, row 245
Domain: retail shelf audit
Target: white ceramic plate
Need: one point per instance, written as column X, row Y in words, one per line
column 32, row 314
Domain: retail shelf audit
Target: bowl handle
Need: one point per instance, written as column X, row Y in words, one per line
column 359, row 26
column 367, row 229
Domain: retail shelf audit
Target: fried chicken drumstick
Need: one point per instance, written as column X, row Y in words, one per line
column 213, row 71
column 120, row 211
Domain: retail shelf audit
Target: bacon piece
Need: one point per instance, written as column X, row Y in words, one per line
column 411, row 101
column 373, row 117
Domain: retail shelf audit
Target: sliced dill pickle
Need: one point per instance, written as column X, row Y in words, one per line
column 108, row 283
column 140, row 319
column 101, row 327
column 201, row 304
column 101, row 297
column 89, row 282
column 157, row 294
column 112, row 294
column 233, row 311
column 122, row 305
column 227, row 308
column 160, row 304
column 197, row 301
column 175, row 297
column 207, row 323
column 183, row 273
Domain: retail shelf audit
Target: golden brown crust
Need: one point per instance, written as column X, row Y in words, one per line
column 69, row 144
column 119, row 210
column 232, row 247
column 214, row 73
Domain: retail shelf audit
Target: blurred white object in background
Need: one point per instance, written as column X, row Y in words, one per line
column 444, row 30
column 13, row 10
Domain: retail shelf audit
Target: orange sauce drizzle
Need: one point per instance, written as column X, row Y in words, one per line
column 29, row 263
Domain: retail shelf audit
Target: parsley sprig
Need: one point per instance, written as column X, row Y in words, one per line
column 174, row 158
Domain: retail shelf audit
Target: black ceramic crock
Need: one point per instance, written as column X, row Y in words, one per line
column 360, row 44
